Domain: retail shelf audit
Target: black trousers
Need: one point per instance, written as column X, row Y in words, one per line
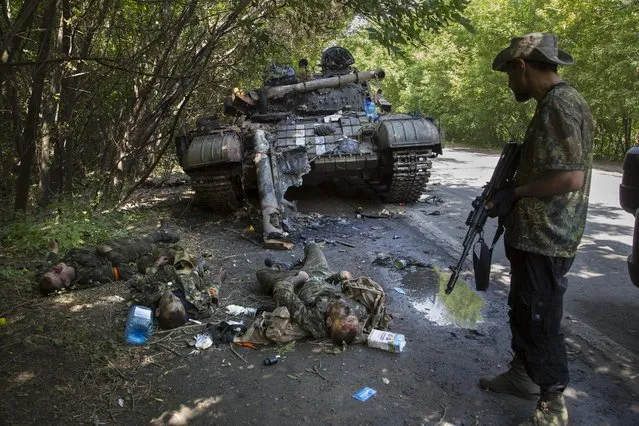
column 537, row 287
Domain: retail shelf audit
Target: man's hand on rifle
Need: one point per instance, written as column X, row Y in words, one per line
column 502, row 203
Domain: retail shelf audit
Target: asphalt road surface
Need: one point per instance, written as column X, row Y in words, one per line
column 60, row 345
column 599, row 291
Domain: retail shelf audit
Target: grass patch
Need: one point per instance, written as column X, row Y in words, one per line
column 72, row 223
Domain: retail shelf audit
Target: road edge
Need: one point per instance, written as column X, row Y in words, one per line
column 621, row 362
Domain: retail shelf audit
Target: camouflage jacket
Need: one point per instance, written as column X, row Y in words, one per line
column 559, row 138
column 307, row 302
column 201, row 296
column 91, row 269
column 103, row 263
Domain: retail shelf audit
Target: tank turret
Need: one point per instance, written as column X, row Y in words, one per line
column 291, row 132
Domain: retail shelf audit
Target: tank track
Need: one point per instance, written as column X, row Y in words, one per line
column 410, row 174
column 218, row 188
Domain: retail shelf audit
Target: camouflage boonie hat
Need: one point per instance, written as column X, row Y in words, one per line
column 540, row 47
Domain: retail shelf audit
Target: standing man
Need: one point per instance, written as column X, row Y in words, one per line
column 545, row 215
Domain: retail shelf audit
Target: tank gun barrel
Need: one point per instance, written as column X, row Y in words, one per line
column 275, row 92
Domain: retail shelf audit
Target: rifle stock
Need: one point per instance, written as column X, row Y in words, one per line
column 503, row 175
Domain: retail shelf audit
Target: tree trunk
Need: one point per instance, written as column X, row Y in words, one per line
column 30, row 135
column 50, row 152
column 627, row 134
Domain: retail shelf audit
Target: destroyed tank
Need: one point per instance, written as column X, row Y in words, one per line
column 308, row 127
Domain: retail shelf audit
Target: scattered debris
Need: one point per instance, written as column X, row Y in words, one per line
column 364, row 393
column 273, row 359
column 315, row 370
column 385, row 380
column 386, row 340
column 389, row 260
column 400, row 290
column 278, row 245
column 342, row 243
column 237, row 355
column 246, row 345
column 430, row 199
column 236, row 310
column 226, row 331
column 203, row 341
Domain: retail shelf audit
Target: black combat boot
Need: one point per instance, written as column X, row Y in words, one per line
column 165, row 234
column 282, row 266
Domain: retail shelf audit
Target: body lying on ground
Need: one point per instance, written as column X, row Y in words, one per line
column 179, row 288
column 318, row 302
column 91, row 266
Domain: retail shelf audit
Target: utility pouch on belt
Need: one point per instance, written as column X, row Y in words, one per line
column 483, row 260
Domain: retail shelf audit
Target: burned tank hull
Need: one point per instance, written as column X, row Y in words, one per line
column 315, row 129
column 393, row 155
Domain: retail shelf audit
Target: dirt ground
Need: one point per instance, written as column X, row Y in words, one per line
column 64, row 361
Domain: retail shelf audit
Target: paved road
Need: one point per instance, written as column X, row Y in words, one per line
column 600, row 292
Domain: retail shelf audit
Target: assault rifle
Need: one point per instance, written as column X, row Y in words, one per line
column 503, row 176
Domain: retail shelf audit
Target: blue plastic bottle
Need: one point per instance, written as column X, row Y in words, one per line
column 370, row 109
column 139, row 325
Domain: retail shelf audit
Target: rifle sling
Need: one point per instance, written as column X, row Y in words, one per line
column 483, row 260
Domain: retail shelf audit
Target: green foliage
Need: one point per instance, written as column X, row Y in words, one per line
column 450, row 76
column 121, row 78
column 71, row 222
column 18, row 281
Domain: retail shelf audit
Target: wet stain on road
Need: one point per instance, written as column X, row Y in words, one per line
column 462, row 307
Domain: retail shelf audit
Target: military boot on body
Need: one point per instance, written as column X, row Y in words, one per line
column 515, row 381
column 551, row 411
column 165, row 234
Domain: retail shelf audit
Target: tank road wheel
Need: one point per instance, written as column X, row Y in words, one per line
column 218, row 189
column 406, row 175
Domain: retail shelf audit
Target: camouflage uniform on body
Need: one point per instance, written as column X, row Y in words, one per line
column 542, row 234
column 559, row 138
column 183, row 280
column 110, row 260
column 307, row 301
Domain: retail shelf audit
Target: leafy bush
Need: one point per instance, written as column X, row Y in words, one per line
column 71, row 222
